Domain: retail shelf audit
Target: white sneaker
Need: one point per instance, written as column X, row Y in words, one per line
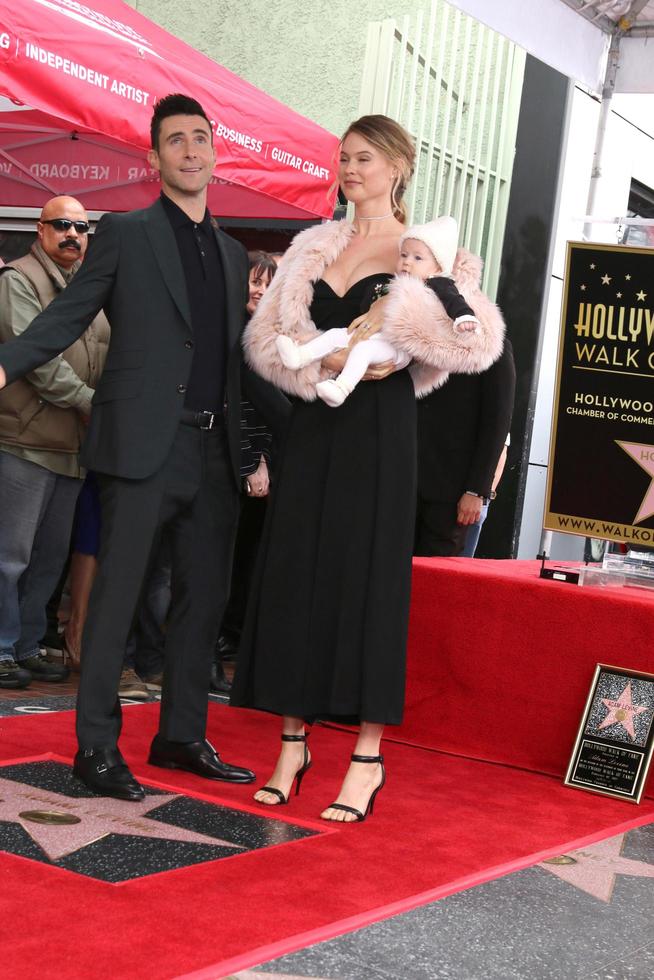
column 290, row 353
column 333, row 393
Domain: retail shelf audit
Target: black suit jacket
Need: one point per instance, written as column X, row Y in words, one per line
column 462, row 428
column 134, row 272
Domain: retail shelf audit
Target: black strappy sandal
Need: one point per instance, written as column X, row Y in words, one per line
column 297, row 779
column 370, row 759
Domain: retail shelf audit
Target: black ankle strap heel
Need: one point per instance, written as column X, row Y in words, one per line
column 299, row 775
column 370, row 760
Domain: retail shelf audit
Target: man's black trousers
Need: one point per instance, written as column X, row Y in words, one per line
column 194, row 499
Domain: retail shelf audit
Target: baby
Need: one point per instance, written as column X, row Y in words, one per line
column 426, row 251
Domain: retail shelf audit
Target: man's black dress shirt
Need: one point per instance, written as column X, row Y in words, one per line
column 205, row 284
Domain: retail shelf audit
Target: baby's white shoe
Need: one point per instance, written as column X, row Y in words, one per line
column 290, row 353
column 333, row 393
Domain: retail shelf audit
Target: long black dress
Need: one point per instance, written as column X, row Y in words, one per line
column 325, row 633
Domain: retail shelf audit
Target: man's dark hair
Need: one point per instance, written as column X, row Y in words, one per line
column 175, row 104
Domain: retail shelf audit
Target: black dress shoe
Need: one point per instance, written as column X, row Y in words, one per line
column 105, row 772
column 219, row 683
column 198, row 757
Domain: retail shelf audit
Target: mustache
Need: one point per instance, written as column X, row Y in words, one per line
column 68, row 242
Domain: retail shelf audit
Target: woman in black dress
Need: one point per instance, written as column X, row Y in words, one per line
column 325, row 635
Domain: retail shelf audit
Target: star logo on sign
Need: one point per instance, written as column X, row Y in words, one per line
column 619, row 295
column 641, row 295
column 583, row 288
column 622, row 711
column 592, row 265
column 642, row 454
column 98, row 817
column 628, row 277
column 593, row 869
column 606, row 279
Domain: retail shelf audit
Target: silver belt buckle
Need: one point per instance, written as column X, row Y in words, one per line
column 210, row 422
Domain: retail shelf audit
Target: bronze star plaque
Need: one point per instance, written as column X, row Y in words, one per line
column 49, row 817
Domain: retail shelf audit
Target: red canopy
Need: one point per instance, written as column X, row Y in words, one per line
column 92, row 71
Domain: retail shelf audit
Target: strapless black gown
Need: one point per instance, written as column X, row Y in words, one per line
column 326, row 629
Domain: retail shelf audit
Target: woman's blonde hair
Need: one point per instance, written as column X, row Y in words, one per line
column 391, row 139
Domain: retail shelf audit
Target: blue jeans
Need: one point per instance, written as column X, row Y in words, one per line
column 472, row 536
column 36, row 517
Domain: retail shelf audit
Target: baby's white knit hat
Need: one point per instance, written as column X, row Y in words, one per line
column 440, row 236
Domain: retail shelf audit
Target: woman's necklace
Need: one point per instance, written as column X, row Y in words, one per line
column 376, row 217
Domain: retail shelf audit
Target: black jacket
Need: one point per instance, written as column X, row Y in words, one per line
column 462, row 428
column 134, row 272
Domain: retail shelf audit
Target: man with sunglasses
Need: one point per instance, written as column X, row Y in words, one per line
column 42, row 421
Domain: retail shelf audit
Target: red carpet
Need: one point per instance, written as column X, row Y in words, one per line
column 441, row 824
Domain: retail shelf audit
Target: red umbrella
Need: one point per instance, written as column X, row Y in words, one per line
column 92, row 72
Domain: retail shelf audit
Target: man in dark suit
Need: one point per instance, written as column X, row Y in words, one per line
column 164, row 439
column 462, row 428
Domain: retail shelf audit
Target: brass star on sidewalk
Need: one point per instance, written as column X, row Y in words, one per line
column 98, row 817
column 593, row 869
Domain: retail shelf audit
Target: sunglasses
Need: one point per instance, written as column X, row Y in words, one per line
column 63, row 224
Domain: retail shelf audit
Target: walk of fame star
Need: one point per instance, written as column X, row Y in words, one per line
column 622, row 711
column 642, row 454
column 99, row 817
column 594, row 868
column 47, row 816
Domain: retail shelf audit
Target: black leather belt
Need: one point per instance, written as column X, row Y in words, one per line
column 200, row 420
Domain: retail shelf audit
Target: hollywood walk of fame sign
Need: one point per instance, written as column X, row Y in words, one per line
column 601, row 465
column 614, row 745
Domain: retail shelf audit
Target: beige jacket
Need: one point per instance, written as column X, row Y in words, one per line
column 45, row 411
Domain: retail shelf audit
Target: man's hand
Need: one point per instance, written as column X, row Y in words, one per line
column 469, row 509
column 258, row 483
column 3, row 377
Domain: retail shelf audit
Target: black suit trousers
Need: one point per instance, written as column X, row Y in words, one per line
column 194, row 497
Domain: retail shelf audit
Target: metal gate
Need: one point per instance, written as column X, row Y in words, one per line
column 455, row 85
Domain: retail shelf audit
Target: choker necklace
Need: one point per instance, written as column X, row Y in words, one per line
column 377, row 217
